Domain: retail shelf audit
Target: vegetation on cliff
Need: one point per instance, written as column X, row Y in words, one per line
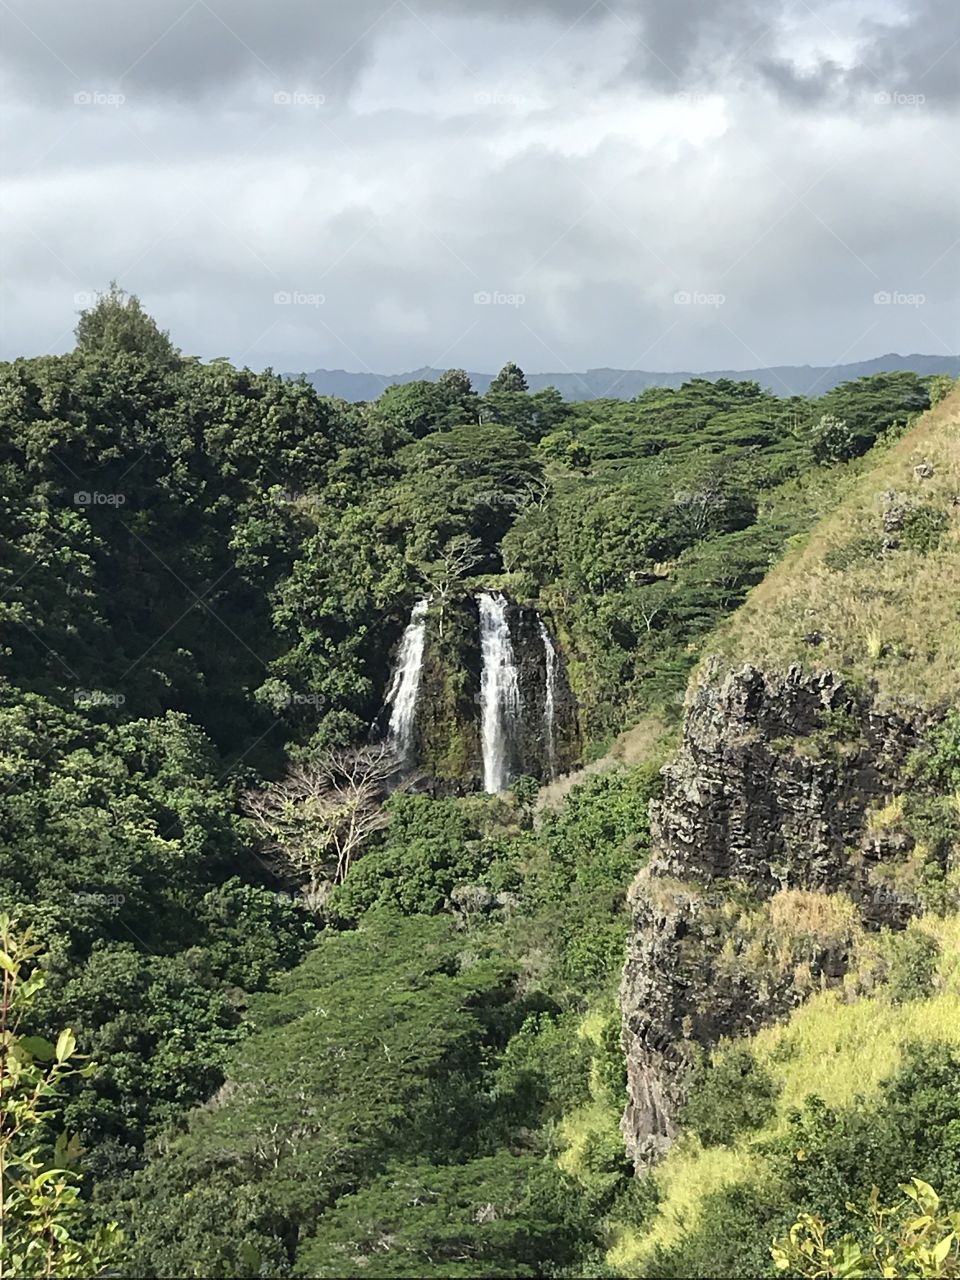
column 813, row 818
column 206, row 573
column 869, row 593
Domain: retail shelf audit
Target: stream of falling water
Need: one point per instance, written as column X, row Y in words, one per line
column 499, row 690
column 550, row 697
column 405, row 685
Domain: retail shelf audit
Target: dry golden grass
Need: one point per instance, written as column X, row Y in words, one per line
column 893, row 618
column 822, row 917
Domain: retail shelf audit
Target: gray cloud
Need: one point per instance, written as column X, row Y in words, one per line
column 185, row 49
column 593, row 163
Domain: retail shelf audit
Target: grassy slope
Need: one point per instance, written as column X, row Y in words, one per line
column 828, row 1048
column 889, row 617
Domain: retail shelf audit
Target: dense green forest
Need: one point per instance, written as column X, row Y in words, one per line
column 206, row 574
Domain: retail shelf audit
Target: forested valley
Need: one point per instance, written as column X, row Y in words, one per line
column 307, row 1004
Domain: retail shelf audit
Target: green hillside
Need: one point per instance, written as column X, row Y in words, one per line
column 871, row 592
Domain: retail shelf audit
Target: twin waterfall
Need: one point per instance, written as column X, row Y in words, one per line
column 518, row 696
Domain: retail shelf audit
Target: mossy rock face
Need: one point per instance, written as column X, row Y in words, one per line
column 774, row 778
column 448, row 712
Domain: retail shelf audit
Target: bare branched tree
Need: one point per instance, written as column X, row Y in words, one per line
column 442, row 575
column 316, row 820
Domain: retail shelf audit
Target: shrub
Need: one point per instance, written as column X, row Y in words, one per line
column 923, row 527
column 729, row 1095
column 430, row 846
column 911, row 958
column 915, row 1237
column 865, row 546
column 938, row 760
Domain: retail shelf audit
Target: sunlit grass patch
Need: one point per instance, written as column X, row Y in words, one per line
column 828, row 1048
column 879, row 601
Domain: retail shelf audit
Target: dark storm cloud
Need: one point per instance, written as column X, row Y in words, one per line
column 183, row 49
column 913, row 59
column 594, row 158
column 920, row 57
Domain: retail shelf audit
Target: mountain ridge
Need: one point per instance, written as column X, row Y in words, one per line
column 624, row 384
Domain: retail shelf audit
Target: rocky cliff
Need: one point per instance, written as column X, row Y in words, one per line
column 765, row 865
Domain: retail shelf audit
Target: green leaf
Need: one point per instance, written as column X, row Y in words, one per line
column 6, row 963
column 37, row 1048
column 939, row 1251
column 66, row 1045
column 927, row 1198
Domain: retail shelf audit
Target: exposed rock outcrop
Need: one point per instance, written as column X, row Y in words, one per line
column 767, row 795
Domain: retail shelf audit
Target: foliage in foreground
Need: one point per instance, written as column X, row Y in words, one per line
column 915, row 1238
column 42, row 1228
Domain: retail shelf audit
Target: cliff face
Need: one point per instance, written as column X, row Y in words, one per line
column 764, row 807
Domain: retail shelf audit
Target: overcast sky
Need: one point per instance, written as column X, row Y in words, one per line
column 672, row 184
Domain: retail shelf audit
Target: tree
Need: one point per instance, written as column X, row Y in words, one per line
column 118, row 323
column 831, row 440
column 462, row 401
column 322, row 814
column 454, row 561
column 510, row 378
column 409, row 411
column 940, row 386
column 39, row 1189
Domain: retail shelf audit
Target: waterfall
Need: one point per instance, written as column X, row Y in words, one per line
column 405, row 685
column 549, row 697
column 499, row 690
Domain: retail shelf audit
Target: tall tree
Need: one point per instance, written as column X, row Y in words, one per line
column 117, row 322
column 322, row 814
column 510, row 378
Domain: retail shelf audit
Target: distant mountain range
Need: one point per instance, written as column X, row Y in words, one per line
column 624, row 384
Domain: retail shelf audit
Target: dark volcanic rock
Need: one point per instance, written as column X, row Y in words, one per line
column 768, row 792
